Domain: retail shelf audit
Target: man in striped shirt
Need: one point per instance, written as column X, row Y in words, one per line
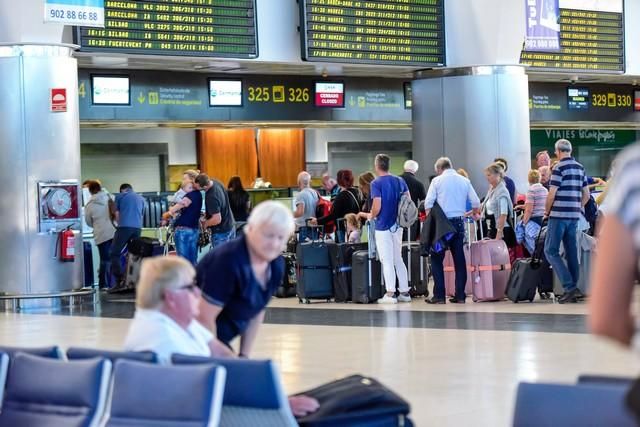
column 568, row 193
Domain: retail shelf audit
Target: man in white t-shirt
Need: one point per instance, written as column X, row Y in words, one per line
column 167, row 303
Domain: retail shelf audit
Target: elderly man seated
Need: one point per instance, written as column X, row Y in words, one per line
column 168, row 303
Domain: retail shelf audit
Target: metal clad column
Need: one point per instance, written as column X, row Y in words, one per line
column 473, row 115
column 37, row 145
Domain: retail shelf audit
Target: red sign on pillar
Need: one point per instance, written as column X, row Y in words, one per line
column 59, row 100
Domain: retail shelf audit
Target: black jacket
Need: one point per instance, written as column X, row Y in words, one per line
column 437, row 230
column 416, row 188
column 347, row 201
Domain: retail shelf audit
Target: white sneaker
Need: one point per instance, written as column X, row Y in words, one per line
column 386, row 299
column 404, row 298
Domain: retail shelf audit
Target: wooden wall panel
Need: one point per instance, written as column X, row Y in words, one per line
column 282, row 155
column 223, row 153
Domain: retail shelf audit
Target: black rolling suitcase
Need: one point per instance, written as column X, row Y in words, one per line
column 287, row 288
column 366, row 276
column 527, row 275
column 416, row 269
column 313, row 271
column 341, row 255
column 546, row 273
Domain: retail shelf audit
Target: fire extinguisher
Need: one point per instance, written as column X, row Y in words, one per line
column 67, row 245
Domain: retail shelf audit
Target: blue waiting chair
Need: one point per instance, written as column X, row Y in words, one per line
column 166, row 396
column 55, row 393
column 253, row 396
column 4, row 367
column 605, row 380
column 77, row 353
column 551, row 405
column 51, row 352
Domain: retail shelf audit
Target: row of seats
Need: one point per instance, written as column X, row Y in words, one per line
column 593, row 401
column 39, row 387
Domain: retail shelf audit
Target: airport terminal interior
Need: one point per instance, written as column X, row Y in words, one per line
column 209, row 179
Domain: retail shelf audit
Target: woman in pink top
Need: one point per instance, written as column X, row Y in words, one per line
column 536, row 198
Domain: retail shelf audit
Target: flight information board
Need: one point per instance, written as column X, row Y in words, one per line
column 590, row 40
column 394, row 32
column 218, row 28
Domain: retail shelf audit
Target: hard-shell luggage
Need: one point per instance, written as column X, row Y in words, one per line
column 366, row 276
column 313, row 271
column 586, row 246
column 527, row 275
column 546, row 273
column 341, row 255
column 491, row 268
column 288, row 286
column 417, row 269
column 356, row 401
column 450, row 273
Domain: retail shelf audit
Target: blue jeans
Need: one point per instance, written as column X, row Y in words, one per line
column 563, row 231
column 120, row 240
column 186, row 240
column 456, row 246
column 104, row 249
column 218, row 239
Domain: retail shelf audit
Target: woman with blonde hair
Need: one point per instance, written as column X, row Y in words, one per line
column 364, row 184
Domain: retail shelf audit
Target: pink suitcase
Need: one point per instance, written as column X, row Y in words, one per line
column 491, row 269
column 450, row 274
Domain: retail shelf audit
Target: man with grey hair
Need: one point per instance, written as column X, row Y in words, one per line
column 417, row 190
column 568, row 193
column 451, row 191
column 331, row 185
column 305, row 201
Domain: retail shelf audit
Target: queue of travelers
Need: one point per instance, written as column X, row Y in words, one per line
column 552, row 195
column 200, row 307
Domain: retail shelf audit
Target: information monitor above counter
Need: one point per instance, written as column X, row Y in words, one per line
column 408, row 32
column 591, row 39
column 216, row 28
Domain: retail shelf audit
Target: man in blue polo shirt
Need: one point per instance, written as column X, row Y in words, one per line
column 386, row 190
column 129, row 211
column 568, row 193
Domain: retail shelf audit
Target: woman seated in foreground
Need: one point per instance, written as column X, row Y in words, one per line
column 169, row 302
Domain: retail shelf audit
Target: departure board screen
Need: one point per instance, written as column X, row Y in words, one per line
column 217, row 28
column 591, row 40
column 394, row 32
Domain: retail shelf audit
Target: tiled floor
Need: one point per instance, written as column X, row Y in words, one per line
column 457, row 365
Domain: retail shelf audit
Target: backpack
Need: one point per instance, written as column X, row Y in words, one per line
column 323, row 208
column 407, row 210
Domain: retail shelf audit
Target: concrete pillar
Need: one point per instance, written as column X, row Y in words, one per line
column 38, row 145
column 472, row 115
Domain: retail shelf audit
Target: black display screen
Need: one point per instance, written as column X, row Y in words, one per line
column 218, row 28
column 408, row 32
column 578, row 98
column 590, row 41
